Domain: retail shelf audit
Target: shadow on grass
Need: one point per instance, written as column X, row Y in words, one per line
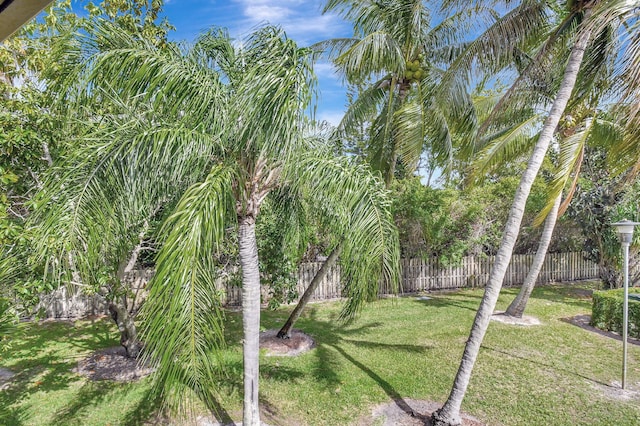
column 384, row 385
column 93, row 393
column 42, row 374
column 545, row 366
column 331, row 338
column 42, row 357
column 584, row 322
column 143, row 410
column 90, row 394
column 468, row 302
column 578, row 295
column 14, row 416
column 32, row 337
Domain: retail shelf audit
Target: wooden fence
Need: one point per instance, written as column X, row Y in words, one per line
column 417, row 275
column 473, row 271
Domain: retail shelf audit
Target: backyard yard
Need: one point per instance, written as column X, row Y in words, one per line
column 398, row 349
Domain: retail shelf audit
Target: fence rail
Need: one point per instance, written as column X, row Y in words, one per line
column 417, row 275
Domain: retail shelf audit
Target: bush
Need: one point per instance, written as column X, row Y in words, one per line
column 606, row 313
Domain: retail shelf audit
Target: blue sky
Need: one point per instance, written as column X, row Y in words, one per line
column 302, row 20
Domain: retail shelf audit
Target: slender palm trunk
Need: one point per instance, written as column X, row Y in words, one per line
column 393, row 158
column 248, row 254
column 285, row 331
column 403, row 90
column 449, row 414
column 517, row 307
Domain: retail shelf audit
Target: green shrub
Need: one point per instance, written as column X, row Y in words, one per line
column 606, row 313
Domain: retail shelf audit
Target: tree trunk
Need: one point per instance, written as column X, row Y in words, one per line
column 126, row 326
column 248, row 254
column 387, row 134
column 449, row 414
column 285, row 331
column 120, row 313
column 517, row 307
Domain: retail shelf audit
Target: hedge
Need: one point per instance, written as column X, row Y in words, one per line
column 606, row 313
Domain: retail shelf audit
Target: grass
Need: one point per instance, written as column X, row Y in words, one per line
column 555, row 373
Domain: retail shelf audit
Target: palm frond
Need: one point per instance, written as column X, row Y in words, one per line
column 371, row 245
column 268, row 103
column 508, row 145
column 375, row 53
column 183, row 319
column 569, row 161
column 495, row 48
column 364, row 107
column 171, row 78
column 410, row 133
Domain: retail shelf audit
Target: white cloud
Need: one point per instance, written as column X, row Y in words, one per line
column 301, row 19
column 332, row 117
column 258, row 13
column 325, row 70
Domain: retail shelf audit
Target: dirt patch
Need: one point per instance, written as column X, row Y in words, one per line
column 614, row 391
column 5, row 377
column 583, row 321
column 112, row 364
column 409, row 412
column 582, row 293
column 526, row 320
column 297, row 344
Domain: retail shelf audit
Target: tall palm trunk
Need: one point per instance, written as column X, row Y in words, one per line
column 393, row 157
column 248, row 254
column 285, row 331
column 517, row 307
column 449, row 414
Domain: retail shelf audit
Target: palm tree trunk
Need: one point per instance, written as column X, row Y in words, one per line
column 248, row 255
column 285, row 331
column 517, row 307
column 449, row 414
column 393, row 158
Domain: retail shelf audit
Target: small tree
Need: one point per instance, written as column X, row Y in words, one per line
column 227, row 120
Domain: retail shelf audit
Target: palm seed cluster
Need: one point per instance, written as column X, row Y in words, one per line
column 414, row 70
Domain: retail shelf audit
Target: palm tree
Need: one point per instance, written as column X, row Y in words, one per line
column 92, row 241
column 589, row 19
column 395, row 46
column 409, row 106
column 577, row 128
column 517, row 306
column 575, row 131
column 399, row 59
column 103, row 270
column 573, row 139
column 227, row 120
column 381, row 242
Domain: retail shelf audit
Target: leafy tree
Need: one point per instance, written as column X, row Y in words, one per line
column 601, row 199
column 43, row 135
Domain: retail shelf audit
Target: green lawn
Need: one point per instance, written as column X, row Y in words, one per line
column 555, row 373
